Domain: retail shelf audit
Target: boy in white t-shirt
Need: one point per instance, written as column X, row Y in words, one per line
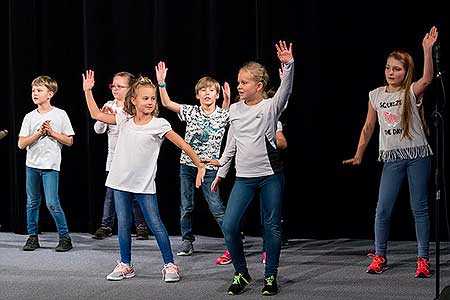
column 43, row 133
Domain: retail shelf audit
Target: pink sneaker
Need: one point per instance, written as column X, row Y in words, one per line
column 264, row 257
column 121, row 271
column 225, row 259
column 171, row 273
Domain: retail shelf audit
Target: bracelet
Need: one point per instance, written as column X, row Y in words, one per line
column 162, row 84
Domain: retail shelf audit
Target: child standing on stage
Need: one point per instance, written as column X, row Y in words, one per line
column 205, row 128
column 44, row 131
column 251, row 138
column 119, row 88
column 403, row 148
column 133, row 169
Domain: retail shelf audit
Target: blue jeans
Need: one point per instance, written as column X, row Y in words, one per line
column 50, row 181
column 149, row 205
column 418, row 174
column 109, row 212
column 271, row 195
column 188, row 175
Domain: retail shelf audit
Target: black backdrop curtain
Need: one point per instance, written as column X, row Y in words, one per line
column 340, row 50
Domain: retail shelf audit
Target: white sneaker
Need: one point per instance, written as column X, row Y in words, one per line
column 171, row 273
column 121, row 271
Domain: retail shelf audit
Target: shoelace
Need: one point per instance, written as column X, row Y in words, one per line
column 171, row 268
column 269, row 280
column 423, row 264
column 121, row 267
column 377, row 260
column 237, row 279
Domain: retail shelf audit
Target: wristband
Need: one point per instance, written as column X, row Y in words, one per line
column 162, row 84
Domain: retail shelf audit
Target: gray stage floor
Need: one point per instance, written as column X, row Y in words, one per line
column 309, row 269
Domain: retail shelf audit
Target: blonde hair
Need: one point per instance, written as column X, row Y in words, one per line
column 46, row 81
column 137, row 83
column 408, row 65
column 205, row 82
column 259, row 74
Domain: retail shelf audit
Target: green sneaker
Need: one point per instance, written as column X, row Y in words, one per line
column 240, row 281
column 270, row 286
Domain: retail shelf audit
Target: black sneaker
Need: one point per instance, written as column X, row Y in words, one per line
column 102, row 232
column 65, row 244
column 31, row 244
column 240, row 281
column 142, row 232
column 270, row 286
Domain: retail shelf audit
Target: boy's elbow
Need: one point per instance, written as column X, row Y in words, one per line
column 20, row 144
column 70, row 141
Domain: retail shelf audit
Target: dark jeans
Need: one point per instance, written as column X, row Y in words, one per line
column 188, row 175
column 271, row 192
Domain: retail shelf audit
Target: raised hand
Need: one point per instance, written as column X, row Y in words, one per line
column 430, row 38
column 283, row 52
column 161, row 72
column 226, row 95
column 88, row 80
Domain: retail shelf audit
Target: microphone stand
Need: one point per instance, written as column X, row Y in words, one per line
column 438, row 121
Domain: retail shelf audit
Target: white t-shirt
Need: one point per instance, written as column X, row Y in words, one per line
column 111, row 130
column 45, row 152
column 134, row 165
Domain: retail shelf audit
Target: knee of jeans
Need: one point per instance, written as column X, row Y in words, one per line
column 186, row 208
column 272, row 228
column 229, row 228
column 420, row 214
column 53, row 207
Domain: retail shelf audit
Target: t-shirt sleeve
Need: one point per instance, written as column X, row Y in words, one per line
column 67, row 126
column 121, row 116
column 26, row 127
column 185, row 112
column 372, row 99
column 164, row 127
column 279, row 126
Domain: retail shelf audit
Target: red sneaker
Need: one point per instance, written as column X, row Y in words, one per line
column 378, row 264
column 225, row 259
column 423, row 268
column 264, row 257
